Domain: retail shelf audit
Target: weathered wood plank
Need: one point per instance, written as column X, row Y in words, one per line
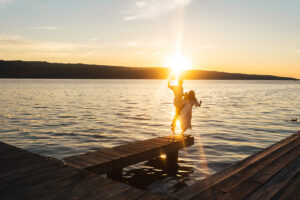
column 21, row 189
column 139, row 143
column 51, row 188
column 96, row 156
column 130, row 160
column 247, row 187
column 153, row 144
column 115, row 152
column 8, row 151
column 209, row 194
column 234, row 180
column 230, row 172
column 136, row 148
column 26, row 175
column 84, row 161
column 109, row 191
column 27, row 171
column 129, row 194
column 13, row 160
column 91, row 187
column 274, row 185
column 93, row 157
column 291, row 191
column 104, row 188
column 243, row 190
column 263, row 175
column 78, row 188
column 107, row 160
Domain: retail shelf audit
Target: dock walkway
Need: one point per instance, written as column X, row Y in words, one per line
column 26, row 175
column 113, row 160
column 273, row 173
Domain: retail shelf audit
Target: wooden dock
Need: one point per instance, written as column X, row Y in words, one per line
column 113, row 160
column 273, row 173
column 25, row 175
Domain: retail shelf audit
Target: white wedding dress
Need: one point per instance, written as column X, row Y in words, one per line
column 186, row 113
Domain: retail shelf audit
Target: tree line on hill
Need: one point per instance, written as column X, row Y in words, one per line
column 25, row 69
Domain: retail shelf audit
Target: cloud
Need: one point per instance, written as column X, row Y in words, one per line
column 281, row 49
column 9, row 37
column 140, row 53
column 51, row 28
column 3, row 2
column 94, row 39
column 133, row 44
column 14, row 47
column 146, row 55
column 13, row 43
column 287, row 50
column 152, row 9
column 207, row 47
column 156, row 53
column 144, row 44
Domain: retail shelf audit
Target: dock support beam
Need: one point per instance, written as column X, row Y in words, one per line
column 116, row 174
column 172, row 163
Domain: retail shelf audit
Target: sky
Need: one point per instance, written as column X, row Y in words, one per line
column 240, row 36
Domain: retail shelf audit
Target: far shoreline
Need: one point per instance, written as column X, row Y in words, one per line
column 45, row 70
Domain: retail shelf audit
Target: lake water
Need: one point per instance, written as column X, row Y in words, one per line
column 59, row 118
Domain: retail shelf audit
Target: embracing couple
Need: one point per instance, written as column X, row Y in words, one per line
column 183, row 103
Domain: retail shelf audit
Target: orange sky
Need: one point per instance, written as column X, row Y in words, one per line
column 242, row 37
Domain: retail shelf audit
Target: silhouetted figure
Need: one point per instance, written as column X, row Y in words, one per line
column 178, row 94
column 189, row 101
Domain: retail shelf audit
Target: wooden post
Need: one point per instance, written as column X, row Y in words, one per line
column 116, row 174
column 172, row 165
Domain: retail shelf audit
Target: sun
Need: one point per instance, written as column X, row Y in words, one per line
column 178, row 63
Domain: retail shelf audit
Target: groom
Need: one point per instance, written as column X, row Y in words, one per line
column 178, row 94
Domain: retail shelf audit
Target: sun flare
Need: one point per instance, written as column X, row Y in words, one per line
column 178, row 63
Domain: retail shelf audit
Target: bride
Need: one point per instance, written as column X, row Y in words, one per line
column 189, row 101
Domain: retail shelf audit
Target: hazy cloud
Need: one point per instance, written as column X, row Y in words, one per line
column 3, row 2
column 140, row 53
column 156, row 53
column 287, row 50
column 144, row 44
column 9, row 37
column 51, row 28
column 132, row 44
column 152, row 9
column 207, row 47
column 18, row 47
column 17, row 43
column 145, row 55
column 281, row 49
column 95, row 39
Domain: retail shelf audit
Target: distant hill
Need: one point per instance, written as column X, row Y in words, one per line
column 24, row 69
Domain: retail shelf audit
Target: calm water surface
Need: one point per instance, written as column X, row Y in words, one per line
column 60, row 118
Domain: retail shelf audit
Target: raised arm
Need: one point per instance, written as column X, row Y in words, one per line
column 170, row 86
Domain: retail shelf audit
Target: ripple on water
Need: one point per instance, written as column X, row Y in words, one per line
column 67, row 116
